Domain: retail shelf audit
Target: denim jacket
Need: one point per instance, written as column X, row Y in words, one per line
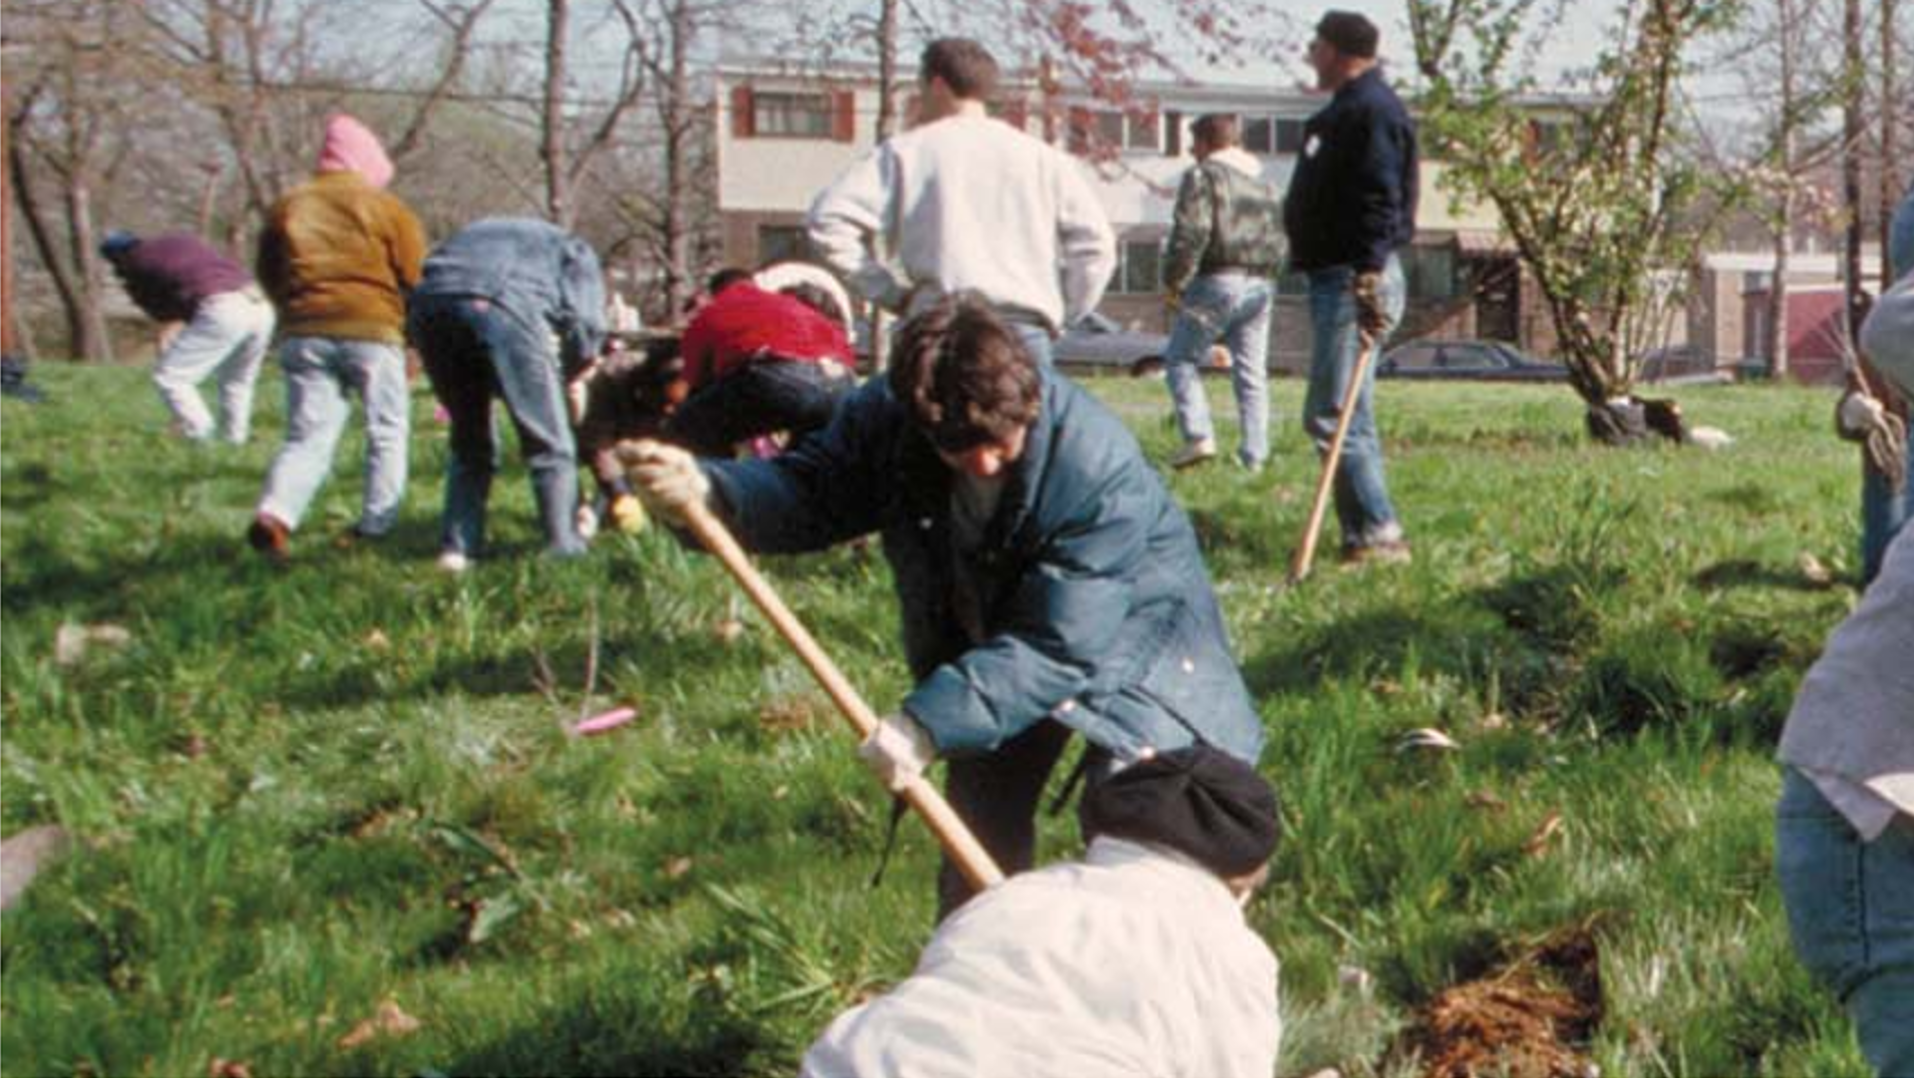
column 1097, row 605
column 540, row 274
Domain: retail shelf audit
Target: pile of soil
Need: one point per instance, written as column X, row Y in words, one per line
column 1530, row 1019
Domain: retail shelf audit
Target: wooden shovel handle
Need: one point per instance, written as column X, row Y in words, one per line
column 972, row 859
column 1306, row 550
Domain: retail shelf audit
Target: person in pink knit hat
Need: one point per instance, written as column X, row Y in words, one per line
column 337, row 257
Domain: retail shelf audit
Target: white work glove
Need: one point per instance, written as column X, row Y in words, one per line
column 666, row 478
column 898, row 751
column 1857, row 416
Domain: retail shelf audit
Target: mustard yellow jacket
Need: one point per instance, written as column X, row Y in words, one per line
column 338, row 257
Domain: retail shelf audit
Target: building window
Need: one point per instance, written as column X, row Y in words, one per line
column 1289, row 136
column 1756, row 281
column 789, row 115
column 1259, row 134
column 1140, row 133
column 1429, row 271
column 780, row 243
column 1139, row 268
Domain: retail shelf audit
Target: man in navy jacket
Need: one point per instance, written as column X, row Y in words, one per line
column 1048, row 582
column 1351, row 204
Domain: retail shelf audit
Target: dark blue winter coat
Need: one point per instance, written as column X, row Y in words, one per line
column 1098, row 609
column 1352, row 198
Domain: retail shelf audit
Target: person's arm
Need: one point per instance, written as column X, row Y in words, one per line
column 581, row 290
column 848, row 216
column 1189, row 231
column 166, row 334
column 270, row 264
column 1066, row 612
column 407, row 246
column 830, row 486
column 1086, row 242
column 1377, row 149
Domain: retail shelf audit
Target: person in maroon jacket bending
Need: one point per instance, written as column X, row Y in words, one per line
column 757, row 362
column 213, row 319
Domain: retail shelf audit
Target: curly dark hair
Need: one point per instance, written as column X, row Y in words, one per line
column 965, row 376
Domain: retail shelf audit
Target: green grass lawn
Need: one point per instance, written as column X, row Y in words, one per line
column 302, row 794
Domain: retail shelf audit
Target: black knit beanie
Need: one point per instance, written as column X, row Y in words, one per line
column 1350, row 32
column 1199, row 801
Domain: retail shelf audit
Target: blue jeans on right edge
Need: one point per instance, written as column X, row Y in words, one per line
column 1235, row 307
column 1851, row 915
column 1882, row 514
column 1362, row 496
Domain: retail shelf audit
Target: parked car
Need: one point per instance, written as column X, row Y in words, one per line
column 1096, row 344
column 1680, row 364
column 1485, row 361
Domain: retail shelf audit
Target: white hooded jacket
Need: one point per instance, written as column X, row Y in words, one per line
column 1132, row 962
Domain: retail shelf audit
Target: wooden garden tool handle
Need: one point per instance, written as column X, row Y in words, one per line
column 1306, row 550
column 972, row 859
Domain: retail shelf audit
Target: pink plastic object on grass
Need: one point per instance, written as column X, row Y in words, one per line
column 610, row 720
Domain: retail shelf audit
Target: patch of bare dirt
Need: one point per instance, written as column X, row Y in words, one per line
column 1533, row 1018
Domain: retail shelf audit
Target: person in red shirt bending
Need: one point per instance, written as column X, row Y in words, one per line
column 757, row 362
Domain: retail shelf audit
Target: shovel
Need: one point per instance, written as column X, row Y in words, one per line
column 1306, row 549
column 970, row 856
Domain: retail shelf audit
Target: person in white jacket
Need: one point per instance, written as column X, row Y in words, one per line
column 1134, row 962
column 967, row 202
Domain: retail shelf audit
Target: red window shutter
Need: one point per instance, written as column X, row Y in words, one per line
column 1172, row 133
column 743, row 123
column 1080, row 122
column 844, row 120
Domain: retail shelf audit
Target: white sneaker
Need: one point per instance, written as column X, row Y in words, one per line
column 1194, row 453
column 454, row 562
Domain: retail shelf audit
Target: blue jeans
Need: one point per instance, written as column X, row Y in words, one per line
column 764, row 397
column 1851, row 915
column 474, row 352
column 1362, row 496
column 1882, row 514
column 1235, row 307
column 320, row 372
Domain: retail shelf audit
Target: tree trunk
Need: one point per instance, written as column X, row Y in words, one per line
column 9, row 344
column 886, row 126
column 1891, row 115
column 558, row 207
column 1853, row 83
column 678, row 131
column 87, row 324
column 1778, row 329
column 33, row 214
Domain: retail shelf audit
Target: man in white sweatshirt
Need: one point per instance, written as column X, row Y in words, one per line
column 1134, row 962
column 1226, row 244
column 965, row 202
